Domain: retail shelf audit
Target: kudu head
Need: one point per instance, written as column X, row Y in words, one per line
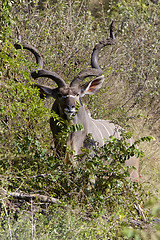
column 67, row 96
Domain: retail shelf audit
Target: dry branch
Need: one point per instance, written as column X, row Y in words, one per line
column 28, row 197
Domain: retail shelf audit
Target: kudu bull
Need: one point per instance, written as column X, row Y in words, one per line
column 66, row 99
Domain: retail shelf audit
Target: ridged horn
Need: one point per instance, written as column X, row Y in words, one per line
column 40, row 72
column 95, row 70
column 52, row 75
column 32, row 49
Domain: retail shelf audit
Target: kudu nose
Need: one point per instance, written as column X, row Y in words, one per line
column 70, row 107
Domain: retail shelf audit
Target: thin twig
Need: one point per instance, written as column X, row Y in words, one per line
column 135, row 92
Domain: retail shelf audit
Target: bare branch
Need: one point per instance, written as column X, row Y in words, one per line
column 28, row 197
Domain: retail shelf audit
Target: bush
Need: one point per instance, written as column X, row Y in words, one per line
column 93, row 199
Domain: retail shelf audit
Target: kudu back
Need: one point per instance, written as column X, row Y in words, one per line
column 68, row 96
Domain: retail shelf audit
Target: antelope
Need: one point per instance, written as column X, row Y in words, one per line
column 68, row 96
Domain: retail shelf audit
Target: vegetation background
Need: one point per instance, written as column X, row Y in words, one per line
column 41, row 198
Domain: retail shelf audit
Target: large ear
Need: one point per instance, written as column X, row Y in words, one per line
column 46, row 92
column 92, row 86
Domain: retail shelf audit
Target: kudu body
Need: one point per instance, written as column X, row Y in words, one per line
column 66, row 99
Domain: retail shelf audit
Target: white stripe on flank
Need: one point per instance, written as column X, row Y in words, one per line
column 99, row 131
column 113, row 132
column 106, row 129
